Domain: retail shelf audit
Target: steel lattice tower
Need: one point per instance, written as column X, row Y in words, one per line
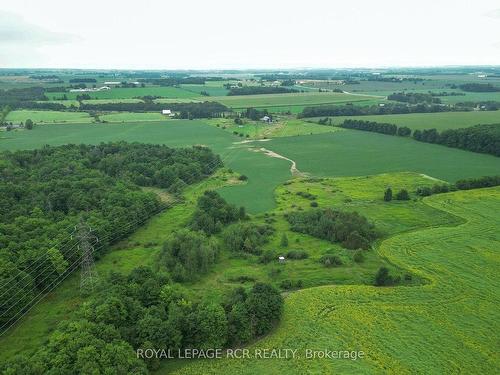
column 86, row 241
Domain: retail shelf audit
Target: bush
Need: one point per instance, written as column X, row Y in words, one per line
column 297, row 254
column 329, row 260
column 403, row 195
column 247, row 237
column 383, row 278
column 314, row 204
column 358, row 256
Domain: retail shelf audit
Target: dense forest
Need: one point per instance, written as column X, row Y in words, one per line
column 146, row 310
column 45, row 191
column 350, row 229
column 479, row 138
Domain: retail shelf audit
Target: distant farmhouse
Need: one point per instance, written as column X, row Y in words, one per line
column 167, row 112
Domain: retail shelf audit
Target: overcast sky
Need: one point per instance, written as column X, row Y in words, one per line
column 187, row 34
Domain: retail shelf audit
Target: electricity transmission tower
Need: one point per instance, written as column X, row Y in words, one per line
column 86, row 241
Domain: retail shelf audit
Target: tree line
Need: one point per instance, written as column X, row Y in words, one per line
column 479, row 87
column 463, row 184
column 185, row 110
column 377, row 127
column 45, row 191
column 414, row 98
column 393, row 108
column 479, row 138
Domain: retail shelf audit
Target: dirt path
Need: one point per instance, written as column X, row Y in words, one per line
column 293, row 168
column 371, row 96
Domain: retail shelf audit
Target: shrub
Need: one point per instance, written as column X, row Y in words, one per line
column 329, row 260
column 403, row 195
column 297, row 254
column 358, row 256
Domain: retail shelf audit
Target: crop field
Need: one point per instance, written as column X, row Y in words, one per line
column 444, row 326
column 211, row 88
column 130, row 93
column 439, row 121
column 282, row 101
column 47, row 117
column 132, row 117
column 358, row 153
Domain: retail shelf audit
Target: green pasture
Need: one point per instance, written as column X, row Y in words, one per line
column 440, row 121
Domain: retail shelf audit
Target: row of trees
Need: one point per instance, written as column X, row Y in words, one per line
column 186, row 110
column 464, row 184
column 414, row 98
column 350, row 229
column 377, row 127
column 479, row 138
column 142, row 310
column 45, row 191
column 479, row 87
column 393, row 108
column 401, row 195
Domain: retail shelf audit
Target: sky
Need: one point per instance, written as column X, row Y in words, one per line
column 240, row 34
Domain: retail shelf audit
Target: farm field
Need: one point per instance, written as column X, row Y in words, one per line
column 130, row 93
column 132, row 117
column 358, row 153
column 439, row 121
column 47, row 117
column 282, row 126
column 444, row 326
column 281, row 101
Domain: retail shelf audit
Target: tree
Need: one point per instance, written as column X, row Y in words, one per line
column 265, row 306
column 211, row 326
column 403, row 195
column 388, row 195
column 284, row 240
column 239, row 324
column 28, row 124
column 383, row 278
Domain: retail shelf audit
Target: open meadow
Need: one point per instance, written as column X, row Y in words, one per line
column 444, row 326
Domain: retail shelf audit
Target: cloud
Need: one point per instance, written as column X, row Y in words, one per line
column 495, row 13
column 14, row 30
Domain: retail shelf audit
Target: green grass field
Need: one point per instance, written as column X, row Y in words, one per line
column 129, row 93
column 358, row 153
column 440, row 121
column 282, row 126
column 132, row 116
column 445, row 326
column 281, row 102
column 48, row 116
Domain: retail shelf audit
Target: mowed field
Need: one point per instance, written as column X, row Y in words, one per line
column 439, row 121
column 358, row 153
column 446, row 326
